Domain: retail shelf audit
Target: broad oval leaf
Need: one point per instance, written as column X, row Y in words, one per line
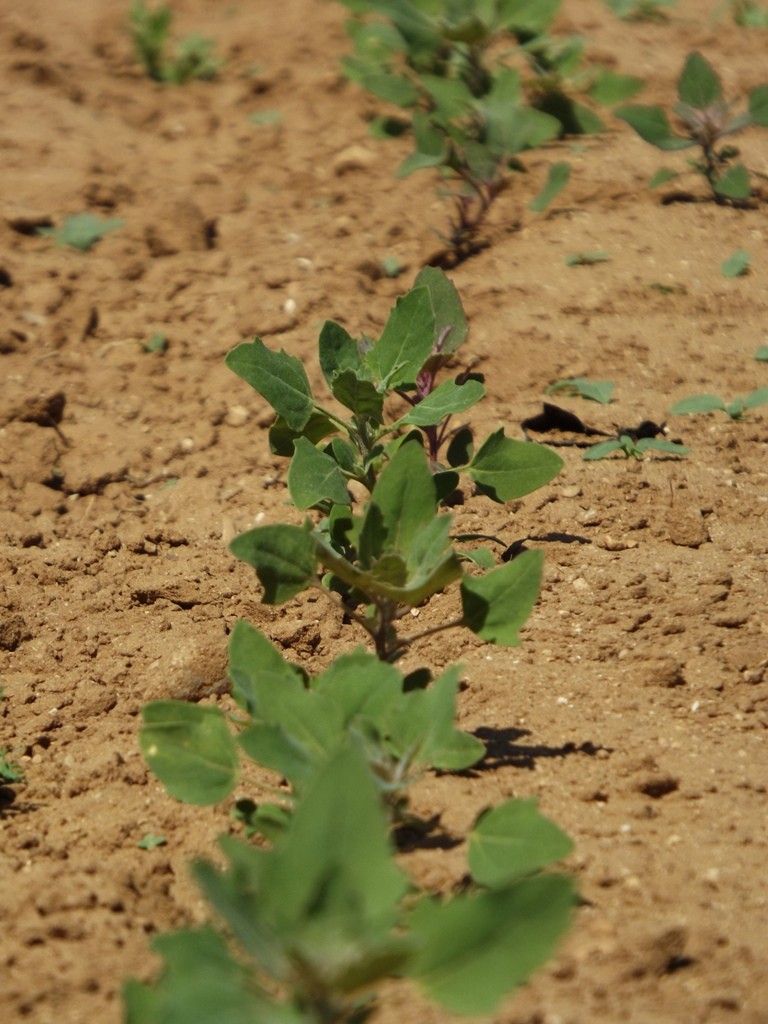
column 504, row 469
column 512, row 840
column 314, row 477
column 283, row 557
column 451, row 327
column 699, row 85
column 258, row 671
column 190, row 749
column 734, row 184
column 496, row 605
column 278, row 377
column 405, row 343
column 476, row 948
column 337, row 351
column 652, row 125
column 697, row 403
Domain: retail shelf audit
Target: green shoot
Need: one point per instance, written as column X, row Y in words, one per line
column 711, row 403
column 593, row 390
column 706, row 119
column 81, row 231
column 635, row 449
column 150, row 31
column 738, row 264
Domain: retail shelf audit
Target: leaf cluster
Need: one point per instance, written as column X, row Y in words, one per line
column 397, row 552
column 293, row 724
column 150, row 31
column 705, row 120
column 476, row 84
column 319, row 920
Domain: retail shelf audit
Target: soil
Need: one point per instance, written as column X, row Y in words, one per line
column 635, row 709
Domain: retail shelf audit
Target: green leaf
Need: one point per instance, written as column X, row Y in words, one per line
column 593, row 390
column 755, row 398
column 278, row 377
column 395, row 89
column 150, row 841
column 699, row 85
column 586, row 259
column 758, row 100
column 737, row 264
column 338, row 351
column 762, row 354
column 601, row 449
column 662, row 176
column 202, row 981
column 504, row 469
column 609, row 88
column 314, row 477
column 283, row 557
column 660, row 445
column 451, row 327
column 190, row 749
column 475, row 949
column 557, row 179
column 402, row 505
column 359, row 395
column 258, row 671
column 652, row 125
column 734, row 184
column 405, row 343
column 448, row 398
column 697, row 403
column 496, row 605
column 282, row 437
column 512, row 840
column 81, row 231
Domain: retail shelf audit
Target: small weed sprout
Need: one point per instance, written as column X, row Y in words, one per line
column 712, row 403
column 633, row 448
column 640, row 10
column 9, row 770
column 706, row 119
column 81, row 231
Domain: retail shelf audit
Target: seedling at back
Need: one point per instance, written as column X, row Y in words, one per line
column 711, row 403
column 593, row 390
column 150, row 30
column 633, row 448
column 81, row 231
column 706, row 119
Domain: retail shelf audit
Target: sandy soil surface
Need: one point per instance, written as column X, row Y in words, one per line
column 636, row 708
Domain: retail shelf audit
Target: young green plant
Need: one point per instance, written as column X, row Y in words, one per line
column 150, row 31
column 706, row 119
column 315, row 924
column 633, row 448
column 81, row 231
column 398, row 552
column 736, row 409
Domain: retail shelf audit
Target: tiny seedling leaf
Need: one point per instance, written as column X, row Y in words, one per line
column 190, row 749
column 762, row 354
column 755, row 398
column 737, row 264
column 593, row 390
column 81, row 231
column 586, row 259
column 697, row 403
column 150, row 841
column 662, row 176
column 758, row 101
column 557, row 178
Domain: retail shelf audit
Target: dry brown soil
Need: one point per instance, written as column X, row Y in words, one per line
column 636, row 708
